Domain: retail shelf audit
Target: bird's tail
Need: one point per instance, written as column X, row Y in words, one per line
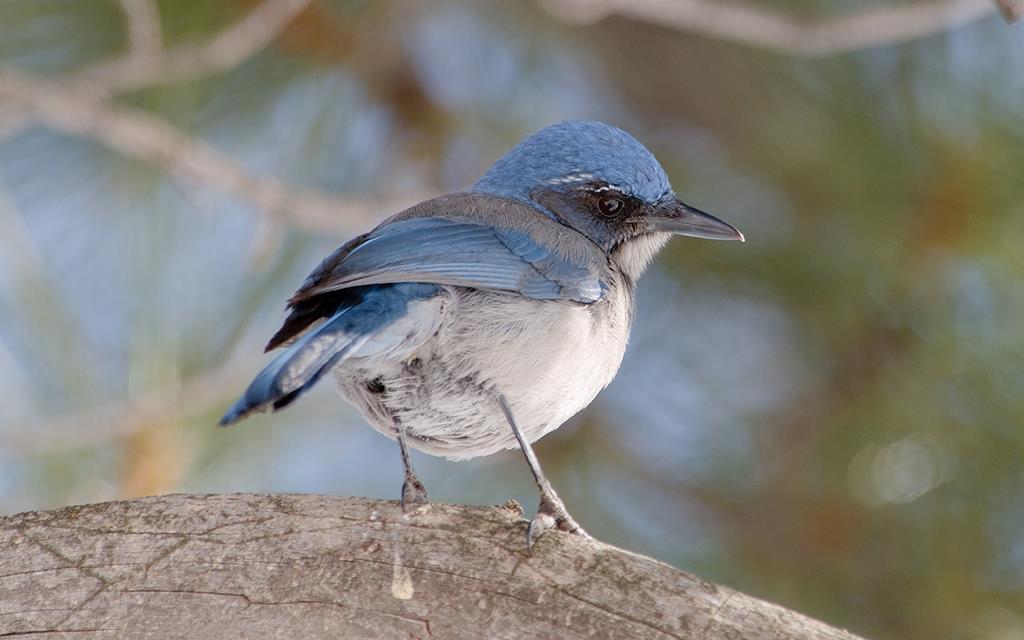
column 356, row 321
column 300, row 366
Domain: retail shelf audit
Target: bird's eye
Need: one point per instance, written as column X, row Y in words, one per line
column 609, row 206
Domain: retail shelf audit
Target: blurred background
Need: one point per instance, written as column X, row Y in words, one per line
column 828, row 417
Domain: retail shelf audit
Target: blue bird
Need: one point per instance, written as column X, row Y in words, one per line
column 482, row 320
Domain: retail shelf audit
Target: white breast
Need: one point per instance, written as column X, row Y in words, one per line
column 549, row 359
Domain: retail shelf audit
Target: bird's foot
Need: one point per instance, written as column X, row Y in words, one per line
column 550, row 515
column 414, row 494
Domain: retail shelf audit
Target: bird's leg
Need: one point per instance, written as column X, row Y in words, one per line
column 413, row 491
column 551, row 512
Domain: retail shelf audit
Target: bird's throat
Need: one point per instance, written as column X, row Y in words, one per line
column 633, row 256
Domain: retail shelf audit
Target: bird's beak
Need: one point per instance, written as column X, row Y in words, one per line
column 675, row 216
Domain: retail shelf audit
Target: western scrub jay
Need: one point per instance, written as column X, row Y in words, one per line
column 482, row 320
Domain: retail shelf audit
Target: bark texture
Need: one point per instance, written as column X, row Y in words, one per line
column 303, row 566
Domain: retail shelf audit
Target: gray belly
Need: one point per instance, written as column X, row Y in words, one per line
column 549, row 359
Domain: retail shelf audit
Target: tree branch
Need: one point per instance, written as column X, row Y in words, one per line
column 1012, row 10
column 290, row 566
column 48, row 321
column 137, row 134
column 761, row 27
column 225, row 51
column 76, row 105
column 121, row 418
column 139, row 68
column 144, row 32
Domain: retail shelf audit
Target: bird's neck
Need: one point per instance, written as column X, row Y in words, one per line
column 633, row 256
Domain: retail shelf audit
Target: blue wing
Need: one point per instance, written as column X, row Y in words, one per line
column 450, row 252
column 469, row 240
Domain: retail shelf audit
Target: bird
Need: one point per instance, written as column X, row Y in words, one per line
column 482, row 320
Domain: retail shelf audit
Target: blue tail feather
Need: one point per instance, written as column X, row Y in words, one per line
column 303, row 363
column 295, row 370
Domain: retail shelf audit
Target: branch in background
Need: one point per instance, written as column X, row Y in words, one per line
column 1012, row 10
column 759, row 26
column 76, row 105
column 49, row 321
column 143, row 67
column 144, row 32
column 119, row 419
column 138, row 134
column 225, row 51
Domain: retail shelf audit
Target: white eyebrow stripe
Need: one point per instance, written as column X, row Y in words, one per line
column 572, row 177
column 587, row 177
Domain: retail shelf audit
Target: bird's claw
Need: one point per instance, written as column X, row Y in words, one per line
column 414, row 494
column 551, row 515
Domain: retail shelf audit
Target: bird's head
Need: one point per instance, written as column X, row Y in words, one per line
column 602, row 182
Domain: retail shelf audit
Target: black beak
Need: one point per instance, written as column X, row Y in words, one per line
column 675, row 216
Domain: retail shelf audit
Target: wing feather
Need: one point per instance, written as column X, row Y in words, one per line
column 442, row 250
column 468, row 240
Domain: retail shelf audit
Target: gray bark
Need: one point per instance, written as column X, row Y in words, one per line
column 302, row 566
